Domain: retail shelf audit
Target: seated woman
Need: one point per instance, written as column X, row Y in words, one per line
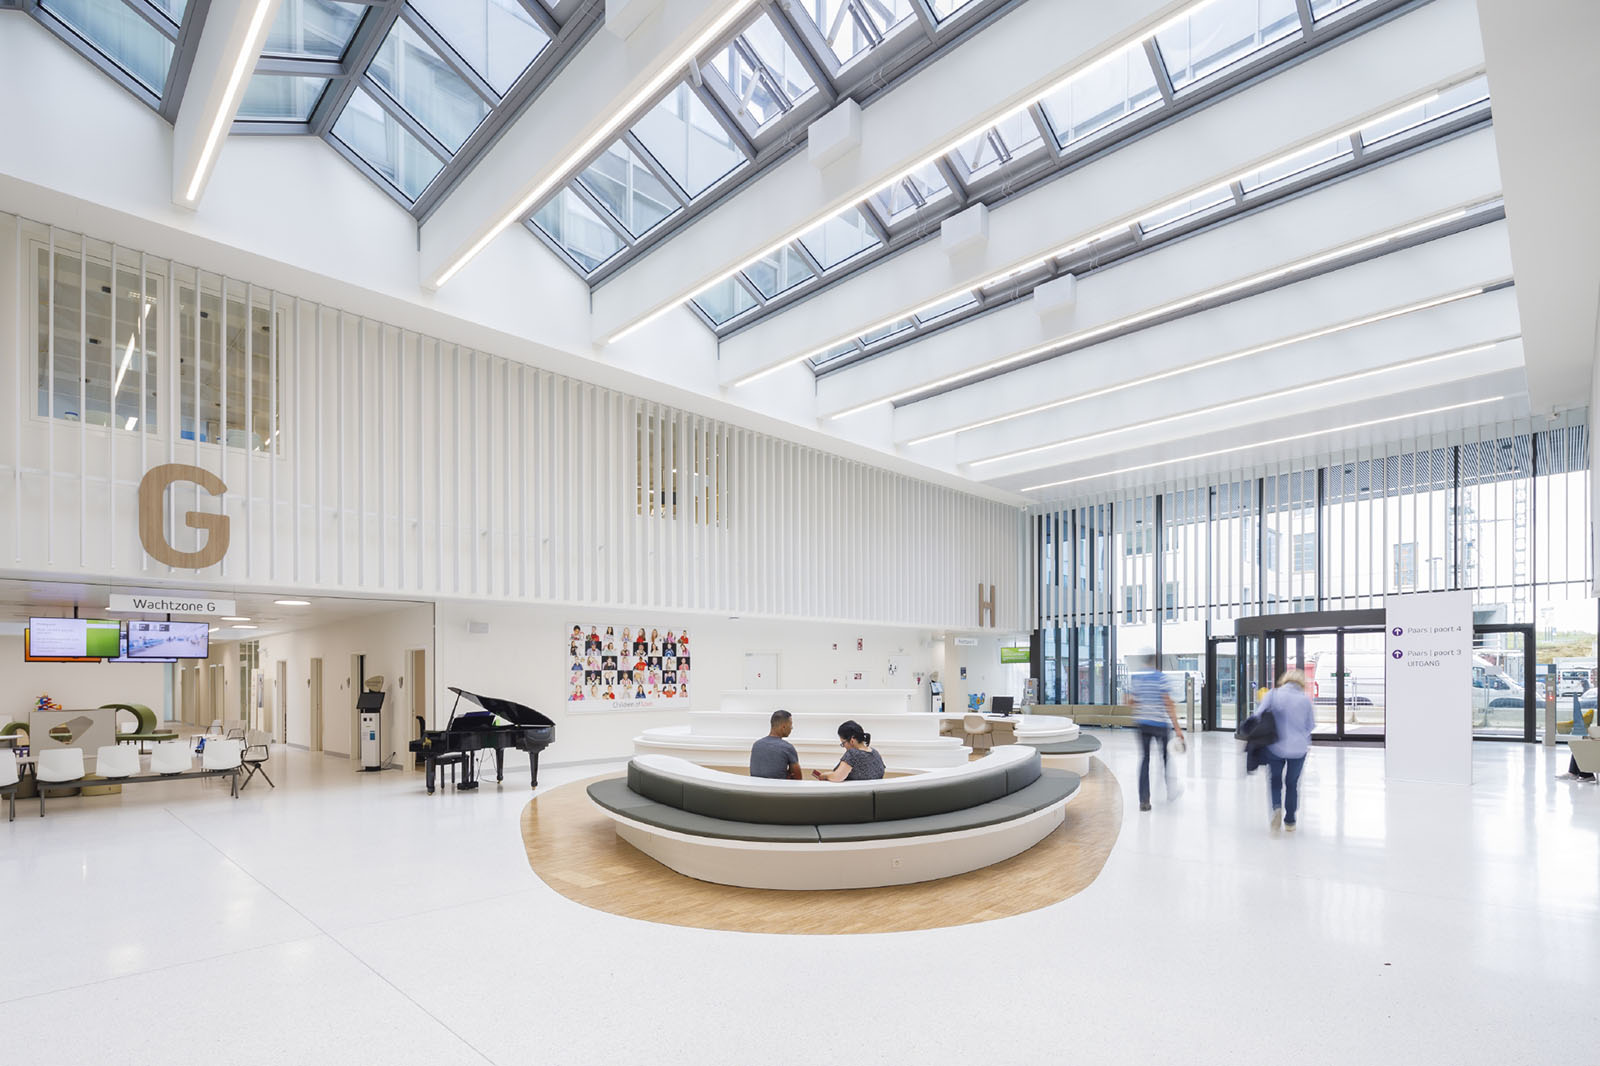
column 859, row 763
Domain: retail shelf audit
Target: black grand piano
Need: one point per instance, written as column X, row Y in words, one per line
column 499, row 724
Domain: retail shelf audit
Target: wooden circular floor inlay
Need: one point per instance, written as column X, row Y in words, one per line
column 575, row 849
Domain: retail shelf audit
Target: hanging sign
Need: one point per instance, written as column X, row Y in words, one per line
column 172, row 603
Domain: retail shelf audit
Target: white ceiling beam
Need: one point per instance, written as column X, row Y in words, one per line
column 586, row 106
column 1002, row 68
column 1489, row 399
column 1409, row 278
column 1382, row 201
column 1549, row 158
column 1393, row 356
column 230, row 42
column 1327, row 94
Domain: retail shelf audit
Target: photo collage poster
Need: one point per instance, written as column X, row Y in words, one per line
column 624, row 666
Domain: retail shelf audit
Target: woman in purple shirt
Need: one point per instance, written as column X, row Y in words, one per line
column 1292, row 713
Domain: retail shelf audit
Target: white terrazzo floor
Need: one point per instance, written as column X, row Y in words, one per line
column 353, row 919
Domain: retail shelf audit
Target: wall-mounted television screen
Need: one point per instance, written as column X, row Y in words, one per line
column 168, row 640
column 72, row 639
column 126, row 658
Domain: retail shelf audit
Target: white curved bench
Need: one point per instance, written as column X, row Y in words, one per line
column 826, row 835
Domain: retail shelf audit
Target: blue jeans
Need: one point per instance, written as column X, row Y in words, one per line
column 1147, row 733
column 1278, row 782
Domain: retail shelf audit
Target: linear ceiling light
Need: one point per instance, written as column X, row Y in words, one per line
column 1067, row 249
column 606, row 133
column 1094, row 394
column 1267, row 443
column 249, row 48
column 1354, row 248
column 1295, row 390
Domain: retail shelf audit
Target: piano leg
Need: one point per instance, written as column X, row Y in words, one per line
column 499, row 765
column 469, row 773
column 432, row 769
column 533, row 765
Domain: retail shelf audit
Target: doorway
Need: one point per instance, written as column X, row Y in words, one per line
column 280, row 714
column 1505, row 702
column 316, row 705
column 1340, row 652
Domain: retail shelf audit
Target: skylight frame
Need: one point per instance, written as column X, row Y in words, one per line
column 183, row 35
column 1001, row 183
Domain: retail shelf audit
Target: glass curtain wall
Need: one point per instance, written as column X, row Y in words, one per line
column 1503, row 512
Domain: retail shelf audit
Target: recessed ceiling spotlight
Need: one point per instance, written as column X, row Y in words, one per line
column 292, row 603
column 234, row 618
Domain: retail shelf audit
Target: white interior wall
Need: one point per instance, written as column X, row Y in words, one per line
column 75, row 685
column 384, row 638
column 523, row 657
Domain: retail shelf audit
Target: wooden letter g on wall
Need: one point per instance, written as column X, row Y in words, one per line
column 152, row 522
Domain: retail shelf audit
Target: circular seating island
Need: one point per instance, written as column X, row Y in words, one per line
column 760, row 833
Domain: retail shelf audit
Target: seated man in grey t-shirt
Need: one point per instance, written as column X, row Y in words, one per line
column 772, row 755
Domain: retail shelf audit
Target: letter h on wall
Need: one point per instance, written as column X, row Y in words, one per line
column 985, row 605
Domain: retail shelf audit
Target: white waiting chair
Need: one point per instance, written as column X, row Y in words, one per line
column 171, row 757
column 223, row 756
column 57, row 766
column 116, row 760
column 9, row 776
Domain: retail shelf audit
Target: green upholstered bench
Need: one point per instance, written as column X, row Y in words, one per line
column 146, row 731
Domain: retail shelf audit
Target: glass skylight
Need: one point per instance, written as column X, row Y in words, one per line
column 1301, row 162
column 1013, row 138
column 1456, row 98
column 1185, row 210
column 842, row 237
column 836, row 352
column 1221, row 33
column 874, row 336
column 277, row 98
column 779, row 272
column 313, row 29
column 763, row 75
column 113, row 29
column 1323, row 8
column 385, row 145
column 422, row 83
column 497, row 38
column 923, row 186
column 1105, row 94
column 943, row 9
column 578, row 230
column 629, row 190
column 725, row 301
column 946, row 307
column 851, row 27
column 689, row 143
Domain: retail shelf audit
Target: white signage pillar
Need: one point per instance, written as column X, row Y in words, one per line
column 1428, row 688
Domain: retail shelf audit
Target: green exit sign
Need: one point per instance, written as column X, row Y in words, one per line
column 1013, row 655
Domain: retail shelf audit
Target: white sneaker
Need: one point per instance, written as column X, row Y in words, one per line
column 1277, row 819
column 1568, row 777
column 1292, row 826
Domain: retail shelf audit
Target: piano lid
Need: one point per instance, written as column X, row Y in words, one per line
column 511, row 711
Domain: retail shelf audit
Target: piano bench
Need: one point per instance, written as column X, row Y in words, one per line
column 452, row 759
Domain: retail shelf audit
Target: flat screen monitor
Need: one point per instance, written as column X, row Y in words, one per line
column 72, row 639
column 126, row 658
column 1002, row 704
column 168, row 640
column 369, row 701
column 936, row 688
